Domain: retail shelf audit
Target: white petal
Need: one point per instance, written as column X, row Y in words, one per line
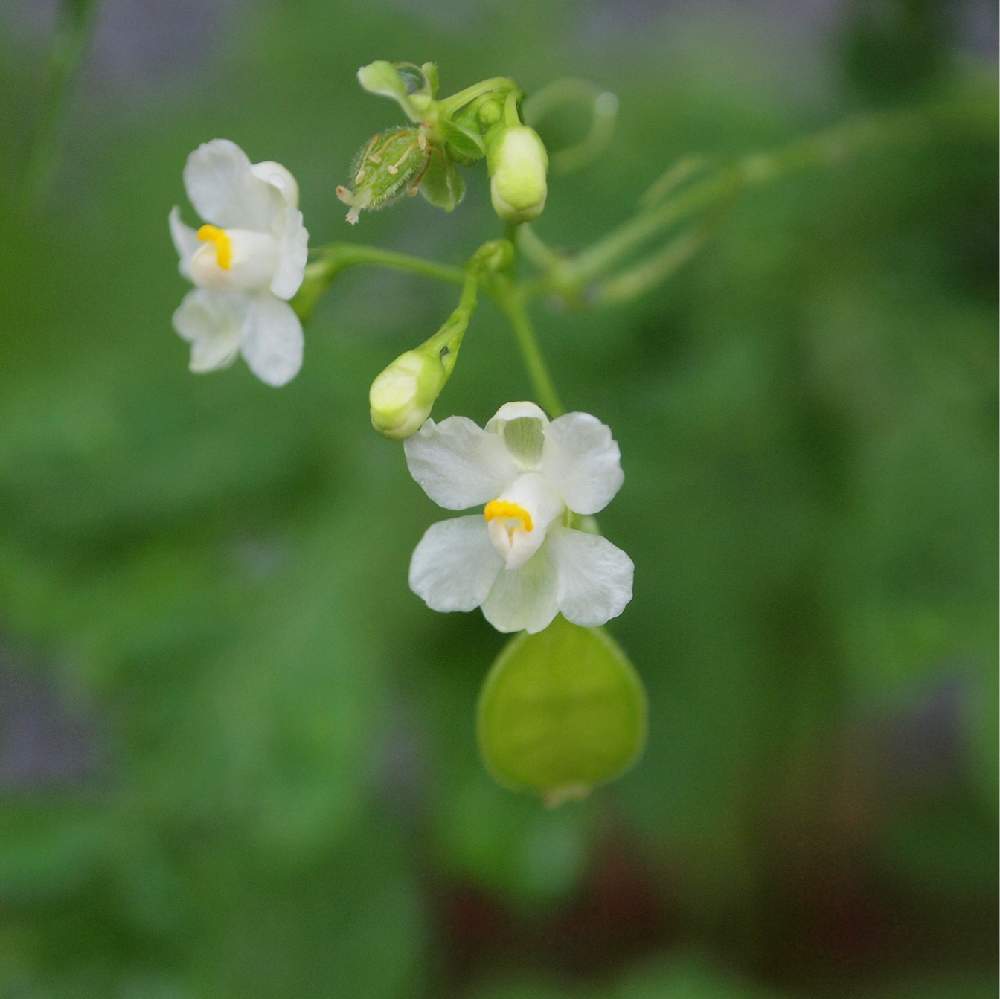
column 522, row 427
column 582, row 460
column 524, row 599
column 224, row 190
column 516, row 411
column 278, row 176
column 532, row 494
column 595, row 577
column 454, row 565
column 458, row 464
column 254, row 262
column 293, row 252
column 185, row 240
column 213, row 323
column 272, row 342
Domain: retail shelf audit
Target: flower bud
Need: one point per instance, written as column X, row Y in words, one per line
column 517, row 162
column 391, row 164
column 401, row 397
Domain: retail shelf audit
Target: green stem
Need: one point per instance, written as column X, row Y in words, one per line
column 822, row 149
column 73, row 31
column 335, row 257
column 562, row 93
column 445, row 344
column 511, row 301
column 338, row 256
column 451, row 104
column 535, row 249
column 662, row 264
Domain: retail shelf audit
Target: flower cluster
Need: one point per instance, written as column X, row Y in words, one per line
column 246, row 262
column 533, row 551
column 482, row 121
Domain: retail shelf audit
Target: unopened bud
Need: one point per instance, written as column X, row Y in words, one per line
column 401, row 397
column 517, row 162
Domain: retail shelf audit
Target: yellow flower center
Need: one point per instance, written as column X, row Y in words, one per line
column 507, row 511
column 219, row 238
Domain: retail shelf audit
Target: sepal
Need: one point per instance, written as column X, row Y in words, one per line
column 462, row 142
column 442, row 185
column 412, row 87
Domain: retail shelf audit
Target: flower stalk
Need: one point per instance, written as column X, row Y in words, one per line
column 403, row 394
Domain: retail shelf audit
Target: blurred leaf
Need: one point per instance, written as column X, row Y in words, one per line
column 46, row 848
column 932, row 985
column 532, row 856
column 681, row 976
column 687, row 977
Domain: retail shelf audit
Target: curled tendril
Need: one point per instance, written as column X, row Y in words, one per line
column 603, row 106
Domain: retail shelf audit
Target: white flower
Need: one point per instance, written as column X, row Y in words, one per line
column 517, row 559
column 246, row 261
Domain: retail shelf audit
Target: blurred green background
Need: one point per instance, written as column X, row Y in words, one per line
column 237, row 756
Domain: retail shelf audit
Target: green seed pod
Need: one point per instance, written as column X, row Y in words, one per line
column 390, row 165
column 560, row 712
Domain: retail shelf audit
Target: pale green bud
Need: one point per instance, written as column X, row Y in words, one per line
column 401, row 397
column 517, row 163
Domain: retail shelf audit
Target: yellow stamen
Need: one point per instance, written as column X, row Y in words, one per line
column 507, row 510
column 223, row 244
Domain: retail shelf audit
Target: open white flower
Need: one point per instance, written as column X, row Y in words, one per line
column 517, row 559
column 247, row 260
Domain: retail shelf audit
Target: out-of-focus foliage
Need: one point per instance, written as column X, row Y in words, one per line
column 237, row 756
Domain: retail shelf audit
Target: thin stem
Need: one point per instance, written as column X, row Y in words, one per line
column 445, row 344
column 535, row 249
column 608, row 251
column 337, row 256
column 511, row 302
column 661, row 265
column 822, row 149
column 562, row 93
column 470, row 290
column 73, row 30
column 463, row 97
